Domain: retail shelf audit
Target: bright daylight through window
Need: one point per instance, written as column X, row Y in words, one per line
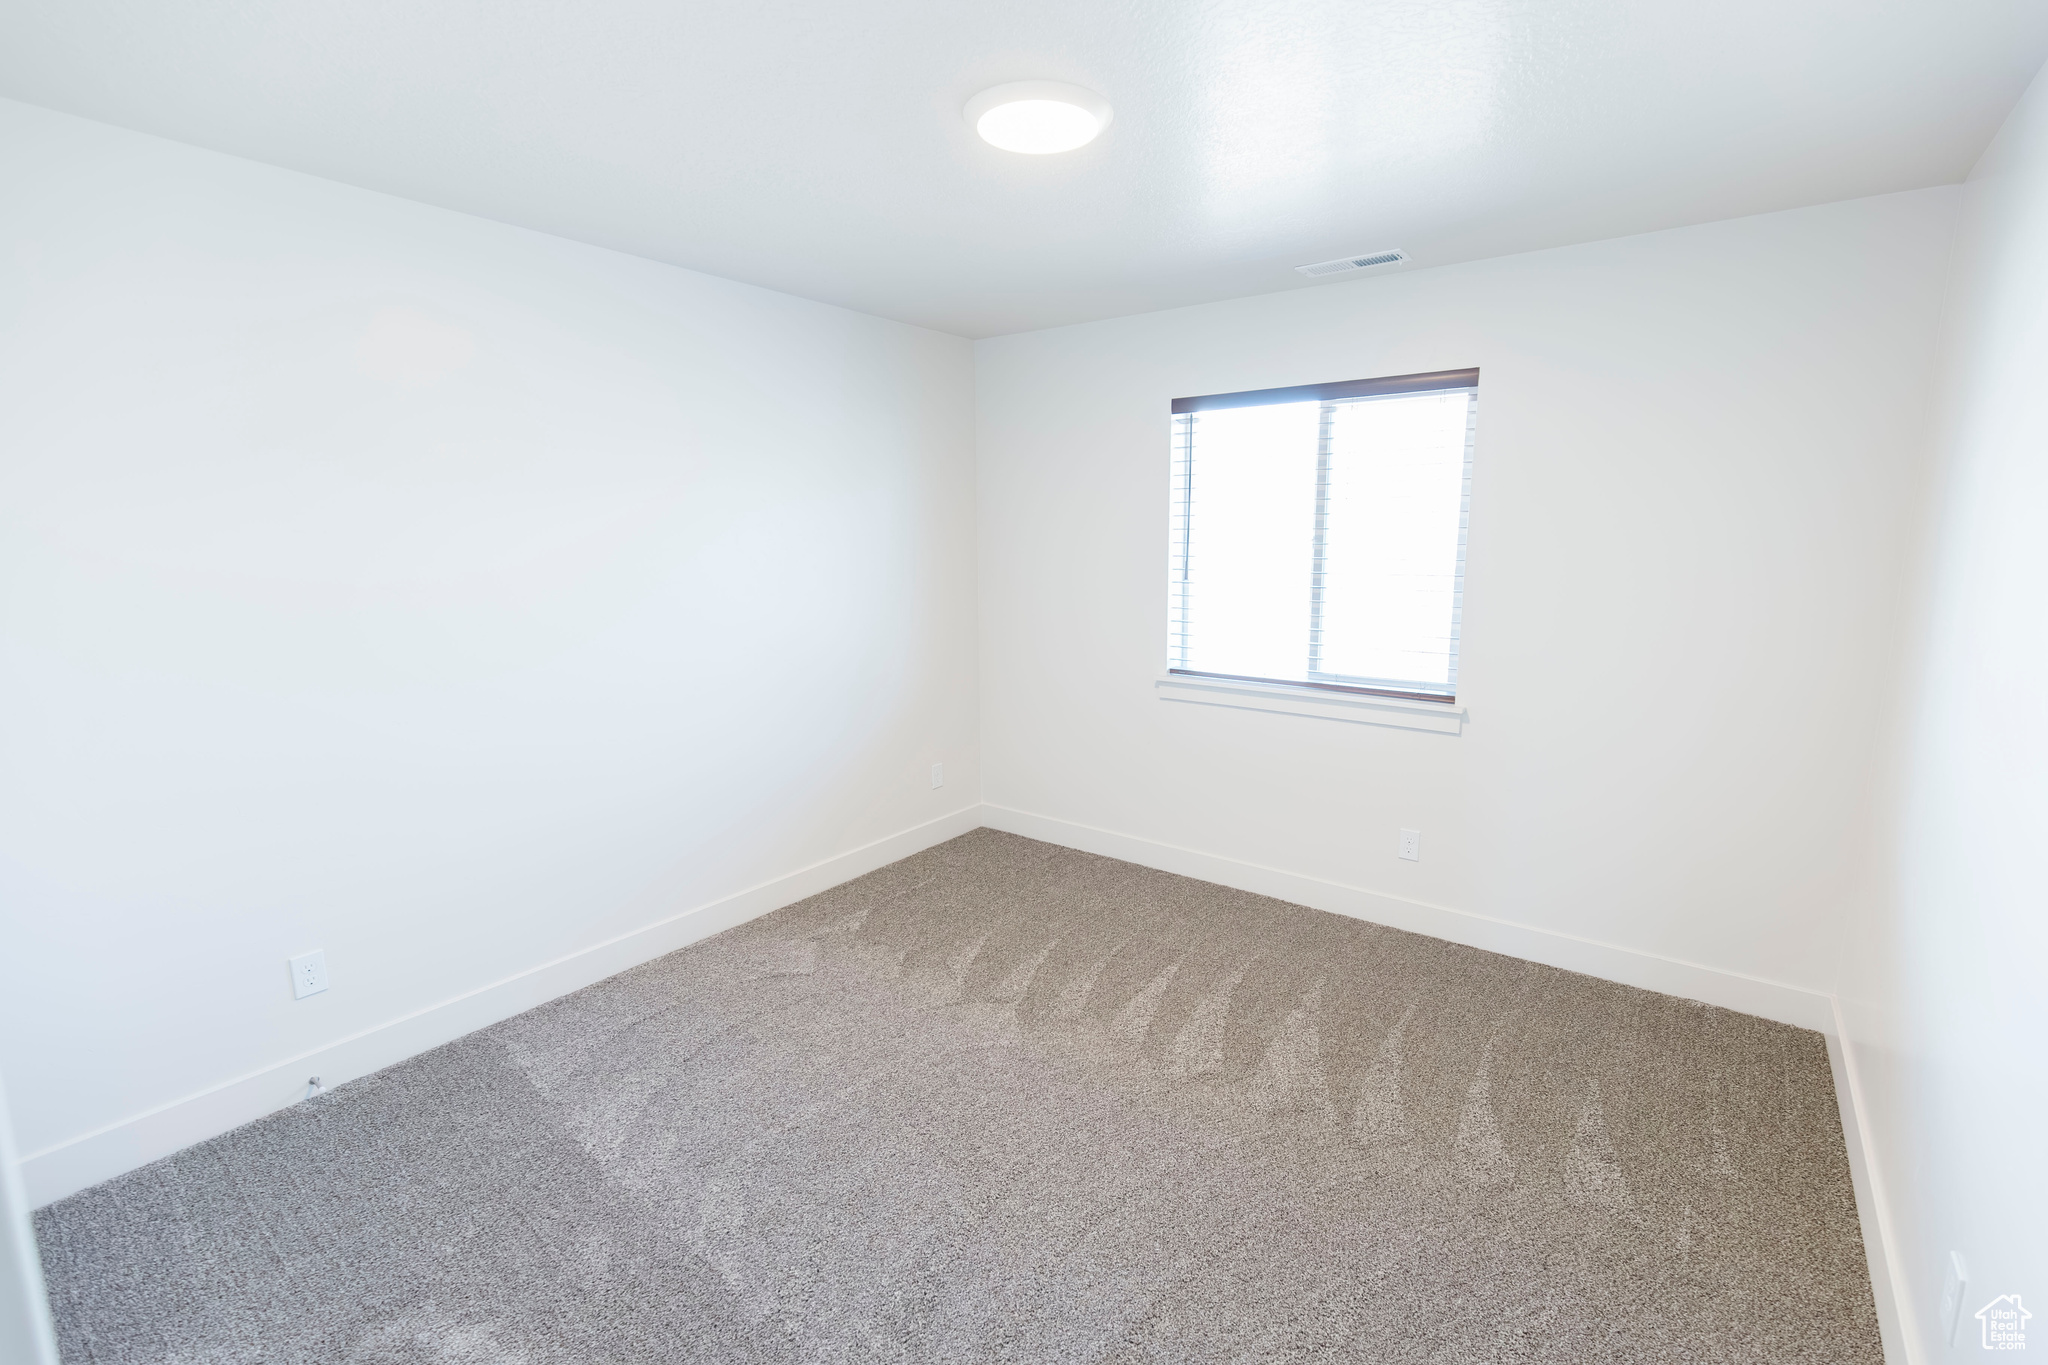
column 1318, row 533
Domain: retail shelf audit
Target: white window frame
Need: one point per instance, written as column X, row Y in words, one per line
column 1327, row 696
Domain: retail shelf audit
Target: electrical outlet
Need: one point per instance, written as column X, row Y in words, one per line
column 1411, row 845
column 309, row 974
column 1955, row 1288
column 938, row 774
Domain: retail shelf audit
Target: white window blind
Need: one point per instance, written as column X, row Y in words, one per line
column 1318, row 533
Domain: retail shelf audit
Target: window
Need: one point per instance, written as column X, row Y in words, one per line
column 1318, row 534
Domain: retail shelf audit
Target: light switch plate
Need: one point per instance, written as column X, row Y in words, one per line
column 1955, row 1287
column 309, row 974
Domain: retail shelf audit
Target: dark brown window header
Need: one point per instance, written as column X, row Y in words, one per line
column 1325, row 393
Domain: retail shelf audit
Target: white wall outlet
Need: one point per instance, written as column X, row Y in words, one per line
column 1411, row 845
column 309, row 975
column 938, row 774
column 1955, row 1289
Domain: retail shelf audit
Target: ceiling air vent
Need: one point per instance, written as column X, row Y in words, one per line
column 1350, row 263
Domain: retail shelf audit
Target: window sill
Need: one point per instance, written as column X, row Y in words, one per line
column 1443, row 718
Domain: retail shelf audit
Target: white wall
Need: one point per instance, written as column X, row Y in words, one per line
column 1696, row 458
column 1944, row 1002
column 432, row 592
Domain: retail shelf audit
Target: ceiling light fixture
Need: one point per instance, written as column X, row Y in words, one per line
column 1037, row 117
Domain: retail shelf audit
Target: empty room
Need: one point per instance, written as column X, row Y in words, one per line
column 1319, row 680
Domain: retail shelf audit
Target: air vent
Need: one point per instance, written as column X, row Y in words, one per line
column 1351, row 263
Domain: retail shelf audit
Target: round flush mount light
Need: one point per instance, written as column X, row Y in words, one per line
column 1037, row 117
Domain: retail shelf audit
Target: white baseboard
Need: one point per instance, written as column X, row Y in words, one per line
column 1630, row 967
column 90, row 1158
column 1895, row 1316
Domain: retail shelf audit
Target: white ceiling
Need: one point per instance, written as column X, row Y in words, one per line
column 817, row 147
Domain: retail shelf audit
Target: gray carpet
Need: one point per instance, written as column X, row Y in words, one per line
column 1004, row 1101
